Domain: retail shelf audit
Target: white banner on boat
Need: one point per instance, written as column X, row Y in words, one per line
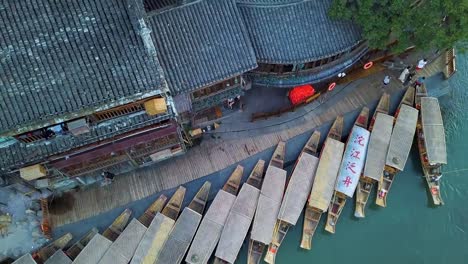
column 353, row 161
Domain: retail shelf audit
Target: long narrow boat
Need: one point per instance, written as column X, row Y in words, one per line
column 380, row 127
column 178, row 242
column 268, row 206
column 240, row 217
column 421, row 91
column 150, row 245
column 408, row 99
column 76, row 248
column 324, row 182
column 432, row 146
column 119, row 224
column 93, row 252
column 122, row 249
column 210, row 229
column 154, row 208
column 297, row 191
column 350, row 169
column 398, row 150
column 59, row 257
column 46, row 252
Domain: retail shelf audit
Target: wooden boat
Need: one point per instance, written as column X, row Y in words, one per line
column 93, row 252
column 431, row 145
column 381, row 126
column 324, row 182
column 119, row 224
column 25, row 259
column 421, row 91
column 178, row 242
column 398, row 150
column 240, row 217
column 153, row 240
column 154, row 208
column 350, row 169
column 269, row 203
column 76, row 248
column 210, row 229
column 408, row 99
column 59, row 257
column 297, row 192
column 46, row 252
column 123, row 248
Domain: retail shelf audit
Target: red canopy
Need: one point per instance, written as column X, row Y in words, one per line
column 300, row 93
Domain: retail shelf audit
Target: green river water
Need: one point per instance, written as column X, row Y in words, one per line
column 410, row 229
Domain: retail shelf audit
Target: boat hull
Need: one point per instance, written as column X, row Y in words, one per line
column 311, row 221
column 255, row 252
column 281, row 229
column 363, row 191
column 384, row 186
column 334, row 211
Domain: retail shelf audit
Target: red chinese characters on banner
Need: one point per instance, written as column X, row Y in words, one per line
column 350, row 167
column 355, row 154
column 347, row 181
column 360, row 140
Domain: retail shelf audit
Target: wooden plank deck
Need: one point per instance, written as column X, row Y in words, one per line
column 215, row 155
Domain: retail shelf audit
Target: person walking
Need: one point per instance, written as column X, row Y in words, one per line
column 421, row 64
column 386, row 80
column 404, row 74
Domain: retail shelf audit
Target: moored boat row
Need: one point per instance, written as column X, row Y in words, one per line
column 321, row 181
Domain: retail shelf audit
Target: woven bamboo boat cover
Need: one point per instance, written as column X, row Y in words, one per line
column 298, row 188
column 153, row 240
column 122, row 250
column 177, row 244
column 378, row 146
column 210, row 229
column 93, row 252
column 59, row 258
column 402, row 137
column 269, row 204
column 238, row 223
column 434, row 132
column 325, row 177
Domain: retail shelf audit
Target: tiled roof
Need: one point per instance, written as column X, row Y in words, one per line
column 201, row 43
column 296, row 32
column 268, row 2
column 58, row 57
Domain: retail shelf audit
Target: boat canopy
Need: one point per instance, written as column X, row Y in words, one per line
column 402, row 137
column 153, row 240
column 269, row 204
column 325, row 177
column 298, row 188
column 93, row 252
column 353, row 161
column 433, row 129
column 210, row 229
column 123, row 248
column 378, row 146
column 59, row 257
column 177, row 244
column 25, row 259
column 238, row 223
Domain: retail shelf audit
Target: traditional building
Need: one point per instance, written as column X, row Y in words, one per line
column 99, row 88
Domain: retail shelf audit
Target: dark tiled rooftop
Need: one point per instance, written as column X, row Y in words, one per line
column 58, row 57
column 296, row 32
column 268, row 2
column 201, row 43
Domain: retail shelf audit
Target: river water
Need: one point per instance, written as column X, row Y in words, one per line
column 410, row 229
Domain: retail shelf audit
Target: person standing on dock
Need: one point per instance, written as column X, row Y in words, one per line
column 404, row 74
column 420, row 81
column 421, row 64
column 386, row 80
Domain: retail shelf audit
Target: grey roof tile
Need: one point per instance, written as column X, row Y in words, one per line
column 289, row 31
column 201, row 43
column 58, row 57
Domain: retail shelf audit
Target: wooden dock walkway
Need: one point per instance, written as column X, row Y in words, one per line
column 214, row 155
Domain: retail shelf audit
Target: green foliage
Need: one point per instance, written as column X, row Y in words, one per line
column 428, row 24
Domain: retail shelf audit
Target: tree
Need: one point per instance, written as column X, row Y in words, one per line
column 427, row 24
